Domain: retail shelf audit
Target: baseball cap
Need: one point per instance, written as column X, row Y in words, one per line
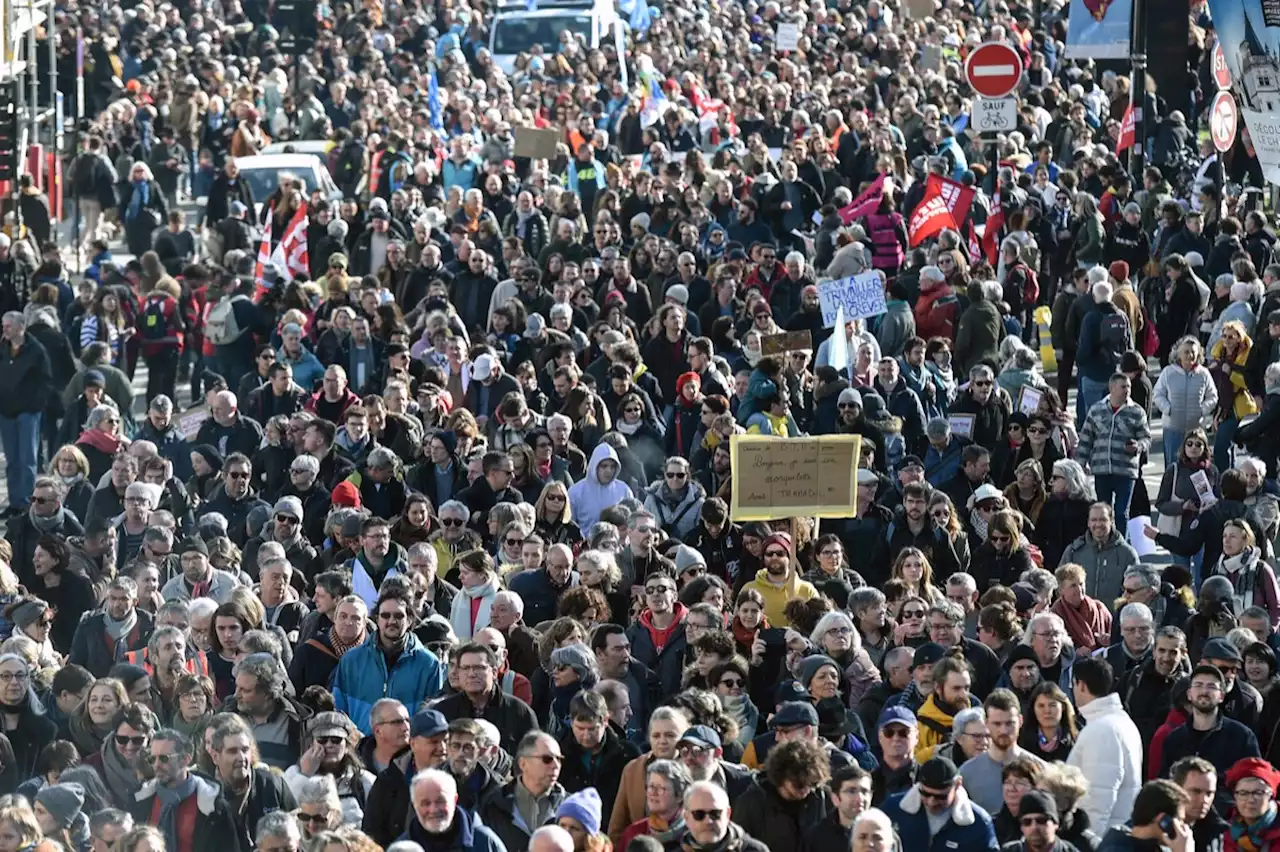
column 428, row 723
column 911, row 461
column 794, row 714
column 483, row 367
column 937, row 772
column 927, row 654
column 702, row 735
column 896, row 715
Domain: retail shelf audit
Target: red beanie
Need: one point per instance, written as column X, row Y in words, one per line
column 1253, row 767
column 781, row 538
column 346, row 494
column 684, row 379
column 1119, row 270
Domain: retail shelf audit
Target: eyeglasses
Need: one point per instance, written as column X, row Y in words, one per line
column 10, row 677
column 122, row 741
column 731, row 682
column 330, row 741
column 1253, row 794
column 700, row 815
column 1037, row 430
column 452, row 522
column 776, row 554
column 982, row 383
column 267, row 356
column 44, row 501
column 676, row 474
column 941, row 513
column 162, row 759
column 548, row 759
column 515, row 542
column 1226, row 668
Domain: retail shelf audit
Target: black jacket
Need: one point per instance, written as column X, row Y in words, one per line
column 509, row 714
column 267, row 793
column 23, row 535
column 25, row 378
column 777, row 824
column 602, row 771
column 498, row 813
column 92, row 648
column 1222, row 746
column 1146, row 696
column 388, row 808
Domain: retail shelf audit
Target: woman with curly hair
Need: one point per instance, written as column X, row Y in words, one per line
column 584, row 604
column 561, row 633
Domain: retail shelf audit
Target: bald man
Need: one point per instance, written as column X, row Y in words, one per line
column 551, row 838
column 227, row 429
column 512, row 682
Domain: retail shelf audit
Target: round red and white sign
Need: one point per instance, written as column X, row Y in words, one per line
column 993, row 69
column 1224, row 120
column 1221, row 74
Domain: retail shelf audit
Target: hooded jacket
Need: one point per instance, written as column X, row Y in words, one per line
column 588, row 498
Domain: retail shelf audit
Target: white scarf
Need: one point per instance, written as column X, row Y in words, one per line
column 460, row 612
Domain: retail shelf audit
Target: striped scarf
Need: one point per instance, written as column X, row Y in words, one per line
column 340, row 648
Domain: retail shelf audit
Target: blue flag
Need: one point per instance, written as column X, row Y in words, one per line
column 433, row 103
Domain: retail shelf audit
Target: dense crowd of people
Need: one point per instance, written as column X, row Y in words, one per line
column 421, row 536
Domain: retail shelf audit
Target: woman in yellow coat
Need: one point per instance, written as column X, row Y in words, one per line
column 1227, row 361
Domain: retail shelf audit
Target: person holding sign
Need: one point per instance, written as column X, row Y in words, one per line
column 778, row 582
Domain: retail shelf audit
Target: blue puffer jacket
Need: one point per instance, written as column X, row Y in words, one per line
column 361, row 678
column 969, row 828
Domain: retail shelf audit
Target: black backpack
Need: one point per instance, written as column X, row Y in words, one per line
column 1114, row 337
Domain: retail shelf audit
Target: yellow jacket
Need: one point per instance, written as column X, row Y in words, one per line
column 1243, row 404
column 933, row 728
column 776, row 597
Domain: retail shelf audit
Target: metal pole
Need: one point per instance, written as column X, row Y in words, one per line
column 1138, row 88
column 33, row 76
column 80, row 50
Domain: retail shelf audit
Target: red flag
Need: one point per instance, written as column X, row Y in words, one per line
column 975, row 247
column 991, row 236
column 865, row 203
column 931, row 216
column 1125, row 141
column 959, row 198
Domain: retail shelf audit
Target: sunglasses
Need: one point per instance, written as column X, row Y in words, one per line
column 330, row 741
column 937, row 796
column 44, row 501
column 286, row 519
column 676, row 474
column 122, row 741
column 777, row 554
column 913, row 613
column 895, row 732
column 1037, row 430
column 732, row 682
column 548, row 759
column 452, row 522
column 982, row 383
column 699, row 815
column 314, row 819
column 999, row 539
column 162, row 759
column 515, row 542
column 238, row 474
column 658, row 590
column 942, row 513
column 1195, row 444
column 1034, row 820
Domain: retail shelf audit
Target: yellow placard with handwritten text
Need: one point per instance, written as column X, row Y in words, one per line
column 794, row 477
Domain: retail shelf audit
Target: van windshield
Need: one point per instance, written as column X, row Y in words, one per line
column 519, row 35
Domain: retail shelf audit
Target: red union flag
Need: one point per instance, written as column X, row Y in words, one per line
column 864, row 204
column 1125, row 141
column 959, row 198
column 931, row 216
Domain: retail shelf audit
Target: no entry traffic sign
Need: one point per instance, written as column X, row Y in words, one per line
column 993, row 69
column 1224, row 119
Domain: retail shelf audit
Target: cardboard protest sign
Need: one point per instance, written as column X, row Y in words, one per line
column 788, row 341
column 536, row 143
column 794, row 477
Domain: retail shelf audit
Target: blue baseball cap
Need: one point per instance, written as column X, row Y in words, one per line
column 896, row 715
